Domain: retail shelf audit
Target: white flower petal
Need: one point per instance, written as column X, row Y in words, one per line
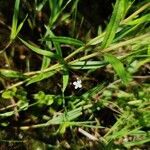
column 80, row 86
column 77, row 84
column 79, row 81
column 74, row 83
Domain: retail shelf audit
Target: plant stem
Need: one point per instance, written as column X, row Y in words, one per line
column 135, row 13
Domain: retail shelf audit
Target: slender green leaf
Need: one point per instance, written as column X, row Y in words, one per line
column 20, row 26
column 66, row 40
column 137, row 142
column 6, row 114
column 56, row 8
column 40, row 77
column 87, row 64
column 38, row 50
column 118, row 67
column 113, row 25
column 125, row 31
column 58, row 48
column 96, row 40
column 143, row 19
column 11, row 74
column 45, row 62
column 41, row 5
column 65, row 80
column 142, row 62
column 15, row 20
column 56, row 44
column 148, row 51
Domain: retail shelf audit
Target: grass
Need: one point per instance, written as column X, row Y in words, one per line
column 39, row 102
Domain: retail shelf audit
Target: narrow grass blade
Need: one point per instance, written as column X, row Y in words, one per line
column 125, row 31
column 142, row 62
column 40, row 77
column 56, row 7
column 113, row 25
column 66, row 40
column 136, row 143
column 6, row 114
column 38, row 50
column 56, row 44
column 96, row 40
column 65, row 80
column 118, row 67
column 87, row 64
column 45, row 62
column 20, row 26
column 41, row 5
column 11, row 74
column 136, row 13
column 148, row 51
column 143, row 19
column 58, row 49
column 15, row 20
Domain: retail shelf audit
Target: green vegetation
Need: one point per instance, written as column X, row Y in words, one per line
column 64, row 85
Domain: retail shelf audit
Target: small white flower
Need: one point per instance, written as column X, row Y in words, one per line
column 77, row 84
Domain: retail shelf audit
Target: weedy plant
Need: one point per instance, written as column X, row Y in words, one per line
column 78, row 94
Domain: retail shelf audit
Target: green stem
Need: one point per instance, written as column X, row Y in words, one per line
column 113, row 47
column 135, row 13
